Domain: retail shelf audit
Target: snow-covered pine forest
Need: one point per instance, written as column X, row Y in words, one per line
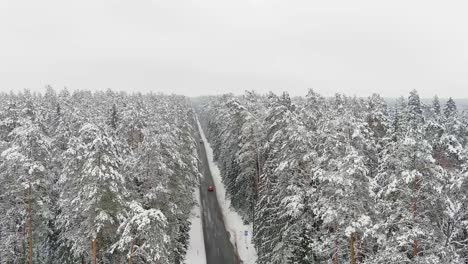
column 344, row 179
column 102, row 173
column 321, row 180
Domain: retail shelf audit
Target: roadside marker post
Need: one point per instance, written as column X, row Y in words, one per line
column 246, row 234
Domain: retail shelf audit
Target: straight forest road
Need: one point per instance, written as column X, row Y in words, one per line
column 218, row 247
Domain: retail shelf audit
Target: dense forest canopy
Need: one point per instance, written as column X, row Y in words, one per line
column 322, row 180
column 115, row 168
column 345, row 179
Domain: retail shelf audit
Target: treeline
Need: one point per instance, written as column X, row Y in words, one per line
column 345, row 179
column 105, row 175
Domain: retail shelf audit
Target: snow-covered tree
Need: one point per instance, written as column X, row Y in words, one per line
column 26, row 189
column 93, row 193
column 144, row 236
column 343, row 178
column 450, row 108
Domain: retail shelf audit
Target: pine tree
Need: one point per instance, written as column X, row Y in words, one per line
column 450, row 108
column 144, row 236
column 436, row 106
column 267, row 236
column 25, row 204
column 93, row 185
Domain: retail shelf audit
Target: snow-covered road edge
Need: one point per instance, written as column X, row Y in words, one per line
column 196, row 249
column 233, row 220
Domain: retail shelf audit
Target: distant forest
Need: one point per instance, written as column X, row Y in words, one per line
column 462, row 104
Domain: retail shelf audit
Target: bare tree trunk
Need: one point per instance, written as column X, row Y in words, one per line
column 335, row 253
column 257, row 171
column 359, row 250
column 256, row 183
column 353, row 255
column 94, row 251
column 131, row 253
column 257, row 167
column 415, row 248
column 30, row 244
column 414, row 210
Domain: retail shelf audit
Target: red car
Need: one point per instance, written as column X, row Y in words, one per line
column 210, row 188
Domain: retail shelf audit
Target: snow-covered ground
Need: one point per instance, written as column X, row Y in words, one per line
column 241, row 235
column 196, row 249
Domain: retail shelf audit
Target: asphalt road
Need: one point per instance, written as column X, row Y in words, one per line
column 218, row 247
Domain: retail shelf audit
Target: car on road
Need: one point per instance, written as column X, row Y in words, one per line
column 210, row 188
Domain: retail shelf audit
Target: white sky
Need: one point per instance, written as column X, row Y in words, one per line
column 215, row 46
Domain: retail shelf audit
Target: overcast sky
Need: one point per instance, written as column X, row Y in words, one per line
column 216, row 46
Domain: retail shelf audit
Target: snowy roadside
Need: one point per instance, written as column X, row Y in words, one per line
column 196, row 248
column 241, row 235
